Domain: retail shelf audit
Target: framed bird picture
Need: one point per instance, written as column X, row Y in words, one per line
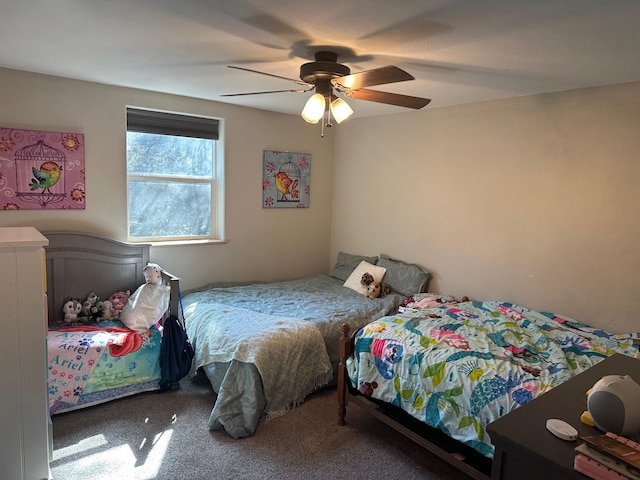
column 41, row 170
column 285, row 179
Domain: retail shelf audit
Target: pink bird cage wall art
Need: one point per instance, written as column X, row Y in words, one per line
column 285, row 181
column 41, row 170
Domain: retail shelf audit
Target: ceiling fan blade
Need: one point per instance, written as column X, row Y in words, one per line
column 377, row 76
column 388, row 98
column 296, row 90
column 299, row 82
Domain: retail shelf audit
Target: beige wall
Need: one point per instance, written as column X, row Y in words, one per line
column 263, row 243
column 533, row 200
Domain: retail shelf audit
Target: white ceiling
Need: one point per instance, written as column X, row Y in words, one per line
column 459, row 51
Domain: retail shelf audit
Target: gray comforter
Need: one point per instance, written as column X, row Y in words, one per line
column 286, row 314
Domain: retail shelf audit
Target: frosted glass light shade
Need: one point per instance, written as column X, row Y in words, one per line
column 314, row 108
column 340, row 110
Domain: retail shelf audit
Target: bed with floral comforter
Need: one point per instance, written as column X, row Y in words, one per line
column 460, row 366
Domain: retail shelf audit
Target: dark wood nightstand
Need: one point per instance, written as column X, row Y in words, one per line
column 525, row 449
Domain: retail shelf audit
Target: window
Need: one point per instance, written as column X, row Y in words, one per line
column 174, row 177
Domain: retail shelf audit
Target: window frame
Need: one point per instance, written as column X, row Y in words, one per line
column 152, row 122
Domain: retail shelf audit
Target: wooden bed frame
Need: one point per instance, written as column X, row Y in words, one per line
column 77, row 263
column 461, row 456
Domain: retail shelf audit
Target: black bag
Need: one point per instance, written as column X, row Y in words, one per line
column 176, row 354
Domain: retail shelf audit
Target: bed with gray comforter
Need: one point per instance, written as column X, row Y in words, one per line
column 265, row 346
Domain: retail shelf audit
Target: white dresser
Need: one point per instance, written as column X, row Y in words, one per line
column 24, row 431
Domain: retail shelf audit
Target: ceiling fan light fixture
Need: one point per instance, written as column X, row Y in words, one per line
column 327, row 78
column 340, row 110
column 313, row 110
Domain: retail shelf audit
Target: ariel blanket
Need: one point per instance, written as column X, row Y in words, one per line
column 73, row 353
column 458, row 367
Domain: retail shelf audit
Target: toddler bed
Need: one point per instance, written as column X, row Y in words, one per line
column 92, row 363
column 441, row 374
column 265, row 346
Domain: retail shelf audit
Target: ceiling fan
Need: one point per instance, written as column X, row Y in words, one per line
column 328, row 78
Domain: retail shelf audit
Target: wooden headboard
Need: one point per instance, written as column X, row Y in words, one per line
column 78, row 263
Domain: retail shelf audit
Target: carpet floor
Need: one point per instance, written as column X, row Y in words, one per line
column 164, row 436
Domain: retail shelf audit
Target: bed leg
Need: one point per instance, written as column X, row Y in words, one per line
column 342, row 378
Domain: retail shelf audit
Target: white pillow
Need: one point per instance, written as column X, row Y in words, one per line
column 353, row 282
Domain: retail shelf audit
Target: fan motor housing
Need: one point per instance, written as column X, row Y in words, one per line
column 325, row 67
column 312, row 71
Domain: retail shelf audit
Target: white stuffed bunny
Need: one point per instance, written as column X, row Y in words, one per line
column 148, row 303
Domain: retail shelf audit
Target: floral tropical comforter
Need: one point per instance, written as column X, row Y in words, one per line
column 460, row 366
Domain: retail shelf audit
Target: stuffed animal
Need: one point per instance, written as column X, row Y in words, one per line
column 366, row 279
column 612, row 405
column 118, row 301
column 107, row 310
column 96, row 312
column 72, row 309
column 152, row 273
column 374, row 289
column 89, row 304
column 148, row 303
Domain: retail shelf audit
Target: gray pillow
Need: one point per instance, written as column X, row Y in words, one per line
column 404, row 278
column 347, row 263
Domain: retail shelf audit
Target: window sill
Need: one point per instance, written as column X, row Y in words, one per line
column 174, row 243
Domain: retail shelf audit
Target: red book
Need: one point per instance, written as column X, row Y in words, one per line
column 595, row 470
column 610, row 462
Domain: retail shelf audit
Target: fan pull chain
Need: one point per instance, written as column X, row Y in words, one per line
column 328, row 122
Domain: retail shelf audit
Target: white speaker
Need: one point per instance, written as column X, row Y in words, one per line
column 614, row 405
